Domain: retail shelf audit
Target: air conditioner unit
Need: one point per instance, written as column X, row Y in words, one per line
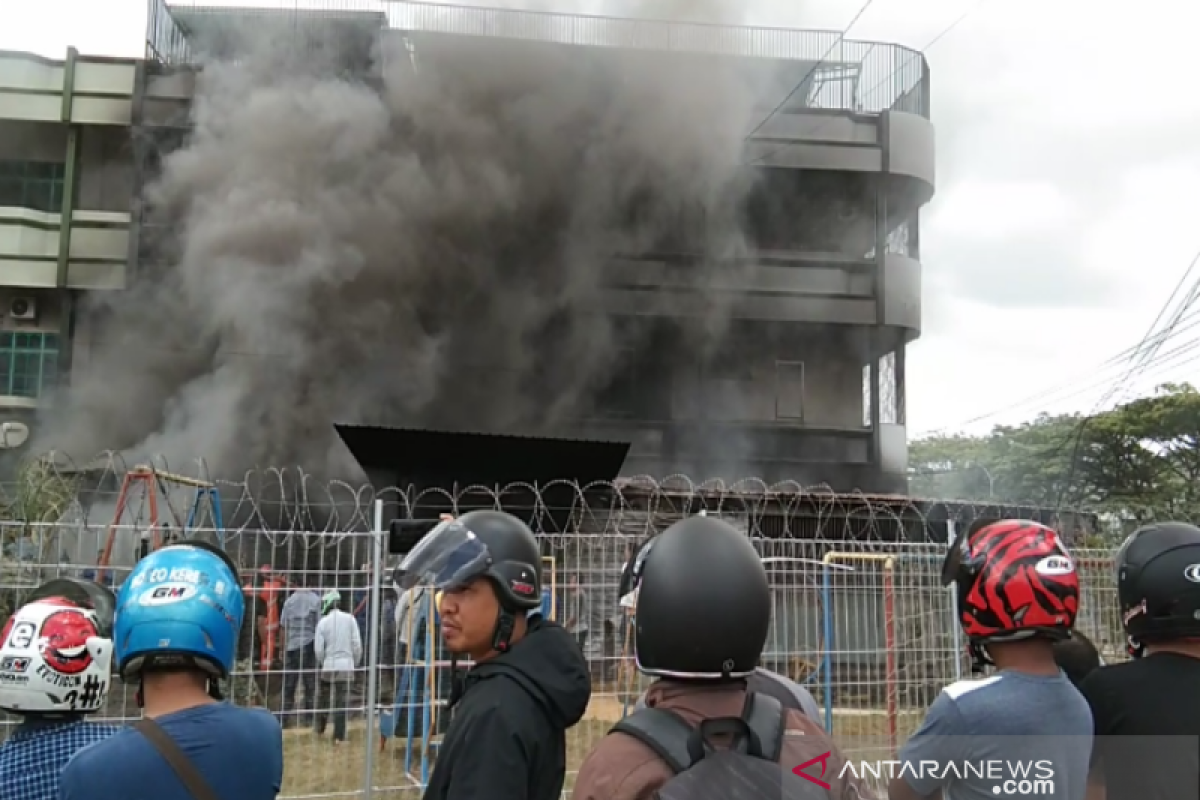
column 23, row 308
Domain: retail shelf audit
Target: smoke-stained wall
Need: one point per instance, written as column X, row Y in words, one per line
column 419, row 244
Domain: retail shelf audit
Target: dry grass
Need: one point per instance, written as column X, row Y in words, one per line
column 316, row 768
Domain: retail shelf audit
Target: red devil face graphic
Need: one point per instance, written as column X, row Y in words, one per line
column 63, row 640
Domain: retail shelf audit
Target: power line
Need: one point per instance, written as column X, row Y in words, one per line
column 1148, row 355
column 1072, row 386
column 841, row 37
column 920, row 52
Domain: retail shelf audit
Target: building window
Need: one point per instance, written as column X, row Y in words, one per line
column 789, row 390
column 32, row 184
column 28, row 363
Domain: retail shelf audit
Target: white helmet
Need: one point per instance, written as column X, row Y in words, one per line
column 56, row 653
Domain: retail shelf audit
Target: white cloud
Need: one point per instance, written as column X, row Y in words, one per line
column 49, row 27
column 991, row 210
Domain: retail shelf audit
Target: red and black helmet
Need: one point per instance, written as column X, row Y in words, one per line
column 1015, row 580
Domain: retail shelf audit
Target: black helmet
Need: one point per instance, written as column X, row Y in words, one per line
column 1158, row 583
column 703, row 603
column 515, row 567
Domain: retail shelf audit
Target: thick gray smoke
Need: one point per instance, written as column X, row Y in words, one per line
column 428, row 252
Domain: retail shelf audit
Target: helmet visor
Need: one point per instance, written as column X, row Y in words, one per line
column 86, row 594
column 449, row 556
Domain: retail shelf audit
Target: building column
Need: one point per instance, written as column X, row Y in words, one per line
column 63, row 293
column 876, row 343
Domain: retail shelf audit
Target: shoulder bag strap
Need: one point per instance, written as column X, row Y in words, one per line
column 183, row 767
column 663, row 732
column 767, row 718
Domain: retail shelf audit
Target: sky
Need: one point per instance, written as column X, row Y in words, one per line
column 1065, row 211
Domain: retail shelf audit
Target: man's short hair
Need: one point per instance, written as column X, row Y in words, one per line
column 1077, row 657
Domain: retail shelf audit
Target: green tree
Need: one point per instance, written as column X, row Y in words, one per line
column 1137, row 461
column 1025, row 463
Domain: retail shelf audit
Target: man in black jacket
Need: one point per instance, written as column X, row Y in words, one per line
column 529, row 682
column 1147, row 710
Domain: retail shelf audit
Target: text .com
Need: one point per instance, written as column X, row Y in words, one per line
column 1007, row 778
column 1025, row 786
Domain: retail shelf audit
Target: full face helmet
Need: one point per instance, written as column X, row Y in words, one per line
column 56, row 651
column 1015, row 580
column 181, row 607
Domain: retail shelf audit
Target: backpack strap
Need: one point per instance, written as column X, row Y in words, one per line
column 663, row 732
column 767, row 720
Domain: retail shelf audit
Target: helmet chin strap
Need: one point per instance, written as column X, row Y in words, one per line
column 502, row 634
column 980, row 660
column 1136, row 649
column 506, row 621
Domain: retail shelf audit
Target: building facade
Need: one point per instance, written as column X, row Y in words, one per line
column 809, row 384
column 68, row 205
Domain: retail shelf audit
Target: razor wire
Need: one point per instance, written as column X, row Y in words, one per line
column 58, row 488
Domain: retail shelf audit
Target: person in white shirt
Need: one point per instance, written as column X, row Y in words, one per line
column 338, row 647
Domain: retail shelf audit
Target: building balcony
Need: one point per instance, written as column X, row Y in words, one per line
column 83, row 90
column 811, row 288
column 30, row 241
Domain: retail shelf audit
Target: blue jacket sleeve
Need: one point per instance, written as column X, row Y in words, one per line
column 500, row 767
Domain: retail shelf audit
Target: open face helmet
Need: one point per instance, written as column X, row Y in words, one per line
column 703, row 604
column 480, row 544
column 1158, row 584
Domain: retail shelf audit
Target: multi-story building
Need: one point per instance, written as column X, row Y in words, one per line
column 67, row 209
column 809, row 385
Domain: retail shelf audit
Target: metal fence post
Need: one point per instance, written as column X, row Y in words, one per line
column 373, row 649
column 953, row 621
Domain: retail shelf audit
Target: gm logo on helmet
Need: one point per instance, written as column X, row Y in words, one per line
column 166, row 593
column 1054, row 565
column 1192, row 573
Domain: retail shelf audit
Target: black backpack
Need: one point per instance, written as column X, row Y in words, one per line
column 747, row 770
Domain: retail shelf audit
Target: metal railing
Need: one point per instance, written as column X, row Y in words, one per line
column 848, row 75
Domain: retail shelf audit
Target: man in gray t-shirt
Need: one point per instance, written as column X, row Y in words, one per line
column 298, row 618
column 981, row 738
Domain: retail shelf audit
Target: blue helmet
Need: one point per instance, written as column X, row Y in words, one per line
column 181, row 606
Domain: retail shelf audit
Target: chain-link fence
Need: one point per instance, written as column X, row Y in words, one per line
column 860, row 615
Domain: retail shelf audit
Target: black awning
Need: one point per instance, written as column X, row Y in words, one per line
column 427, row 458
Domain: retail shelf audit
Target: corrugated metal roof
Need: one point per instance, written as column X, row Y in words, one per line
column 449, row 458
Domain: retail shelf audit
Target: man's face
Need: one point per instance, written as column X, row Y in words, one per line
column 469, row 617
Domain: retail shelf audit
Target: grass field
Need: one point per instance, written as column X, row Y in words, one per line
column 314, row 767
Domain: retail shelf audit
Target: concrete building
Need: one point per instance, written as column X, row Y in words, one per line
column 810, row 385
column 67, row 208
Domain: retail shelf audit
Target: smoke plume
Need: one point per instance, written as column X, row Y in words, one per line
column 423, row 242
